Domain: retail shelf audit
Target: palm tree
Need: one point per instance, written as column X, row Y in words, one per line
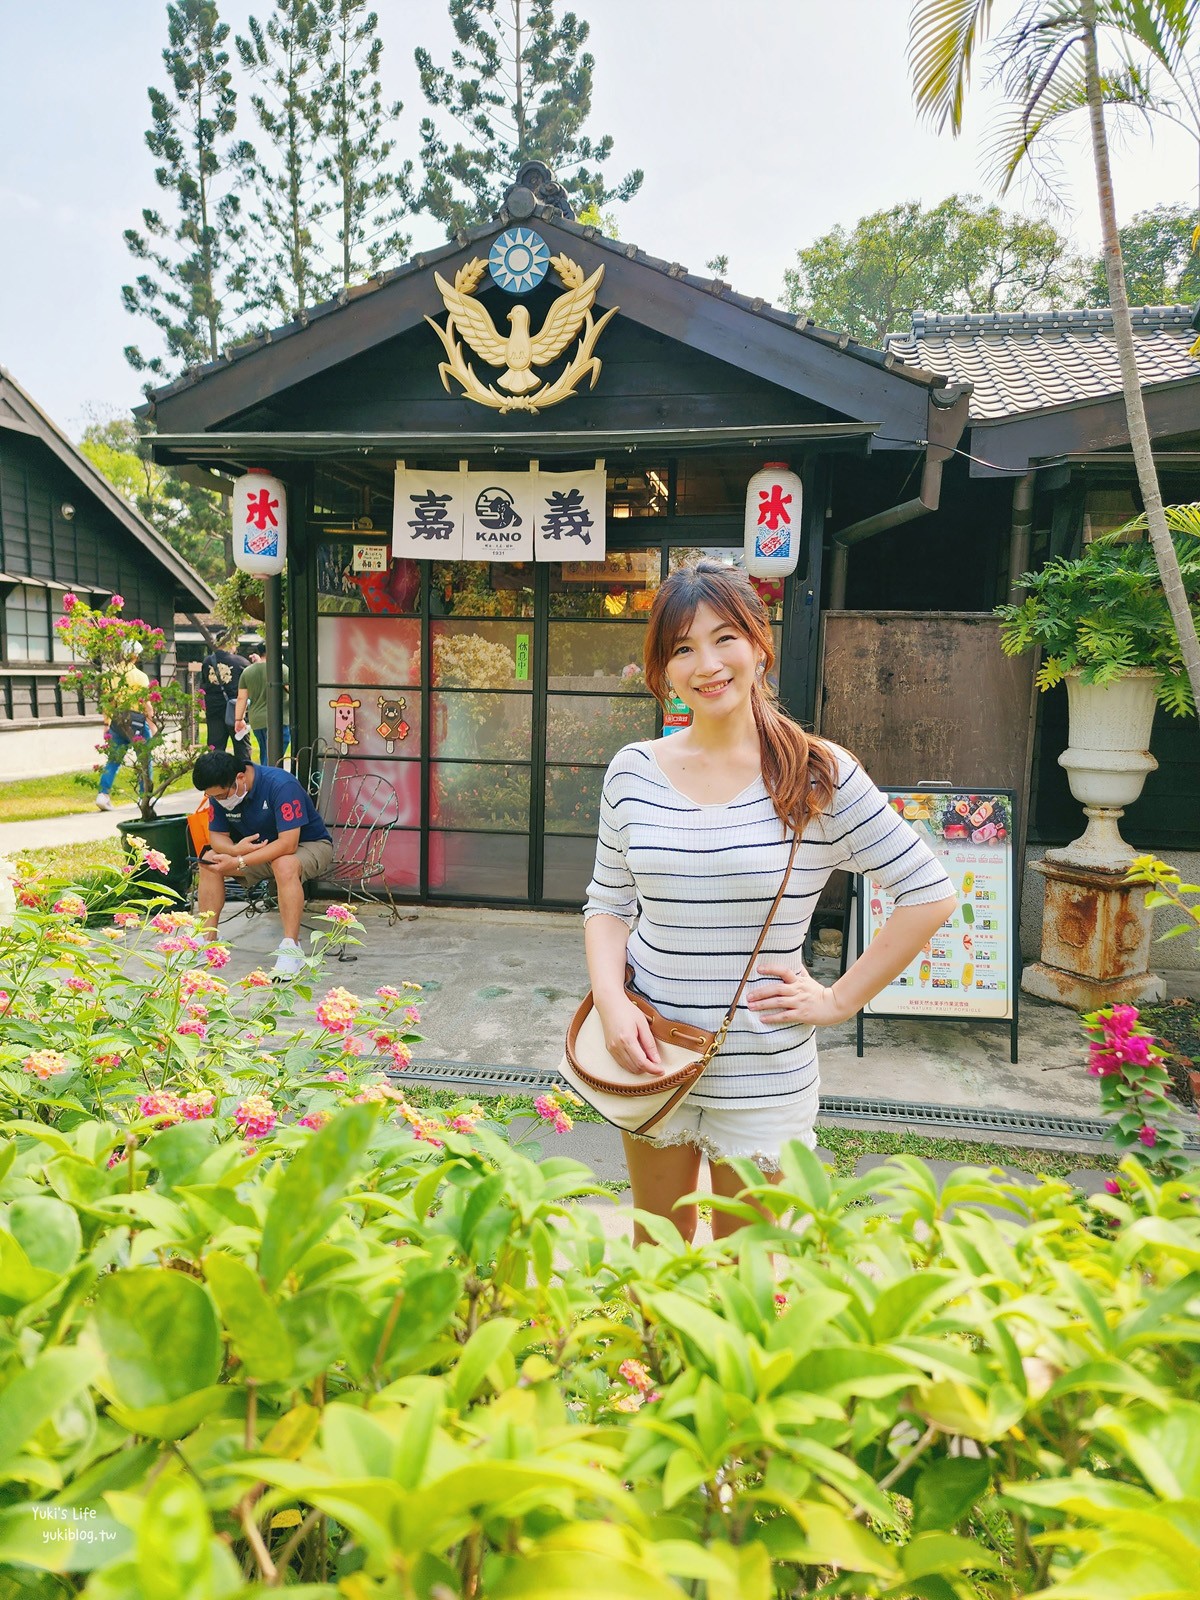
column 1049, row 65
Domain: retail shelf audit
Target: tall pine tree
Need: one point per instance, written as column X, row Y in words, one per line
column 285, row 57
column 519, row 90
column 191, row 280
column 371, row 193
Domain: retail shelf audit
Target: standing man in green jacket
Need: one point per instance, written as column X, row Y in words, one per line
column 251, row 711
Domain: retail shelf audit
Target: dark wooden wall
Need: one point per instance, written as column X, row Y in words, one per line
column 648, row 381
column 92, row 548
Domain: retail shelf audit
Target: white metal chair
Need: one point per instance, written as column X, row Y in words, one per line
column 363, row 810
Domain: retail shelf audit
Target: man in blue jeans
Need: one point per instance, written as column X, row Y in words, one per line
column 264, row 825
column 119, row 733
column 251, row 711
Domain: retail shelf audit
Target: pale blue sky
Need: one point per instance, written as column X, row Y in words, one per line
column 760, row 124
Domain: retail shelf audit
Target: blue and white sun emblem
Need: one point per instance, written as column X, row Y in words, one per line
column 518, row 260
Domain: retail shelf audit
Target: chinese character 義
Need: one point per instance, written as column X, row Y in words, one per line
column 430, row 520
column 567, row 514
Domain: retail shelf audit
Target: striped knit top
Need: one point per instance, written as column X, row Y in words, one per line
column 698, row 880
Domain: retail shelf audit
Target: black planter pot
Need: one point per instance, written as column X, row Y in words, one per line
column 168, row 834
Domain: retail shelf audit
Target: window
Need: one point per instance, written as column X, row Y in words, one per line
column 27, row 624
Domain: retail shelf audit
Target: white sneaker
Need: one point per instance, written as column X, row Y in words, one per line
column 103, row 802
column 289, row 961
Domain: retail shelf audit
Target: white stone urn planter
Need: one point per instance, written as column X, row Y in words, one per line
column 1107, row 760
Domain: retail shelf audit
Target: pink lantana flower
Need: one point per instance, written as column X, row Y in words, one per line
column 258, row 979
column 255, row 1116
column 127, row 919
column 337, row 1011
column 162, row 1107
column 341, row 914
column 70, row 905
column 193, row 1025
column 200, row 1103
column 79, row 986
column 315, row 1119
column 45, row 1064
column 156, row 861
column 217, row 955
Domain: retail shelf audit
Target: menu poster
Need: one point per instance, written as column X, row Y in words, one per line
column 968, row 968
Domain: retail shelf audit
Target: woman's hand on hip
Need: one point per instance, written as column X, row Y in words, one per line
column 627, row 1036
column 796, row 997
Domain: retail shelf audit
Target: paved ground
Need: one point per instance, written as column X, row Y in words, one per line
column 500, row 986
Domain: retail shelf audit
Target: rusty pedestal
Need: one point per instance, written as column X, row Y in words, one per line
column 1096, row 933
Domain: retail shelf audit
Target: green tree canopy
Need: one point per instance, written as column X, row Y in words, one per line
column 284, row 58
column 519, row 89
column 371, row 191
column 1161, row 267
column 190, row 284
column 193, row 521
column 961, row 255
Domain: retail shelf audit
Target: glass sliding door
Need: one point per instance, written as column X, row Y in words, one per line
column 480, row 734
column 596, row 701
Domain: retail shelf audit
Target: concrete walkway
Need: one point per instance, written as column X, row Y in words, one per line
column 86, row 827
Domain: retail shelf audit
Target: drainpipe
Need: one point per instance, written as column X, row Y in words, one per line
column 926, row 501
column 1021, row 536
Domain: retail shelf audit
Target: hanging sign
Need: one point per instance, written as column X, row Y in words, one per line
column 774, row 498
column 370, row 558
column 428, row 515
column 500, row 516
column 258, row 504
column 968, row 970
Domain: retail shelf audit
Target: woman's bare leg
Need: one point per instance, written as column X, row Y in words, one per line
column 658, row 1176
column 726, row 1182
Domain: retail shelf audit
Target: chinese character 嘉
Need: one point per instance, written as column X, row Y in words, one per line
column 567, row 514
column 431, row 521
column 773, row 507
column 260, row 509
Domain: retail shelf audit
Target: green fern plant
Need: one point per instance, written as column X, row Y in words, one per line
column 1104, row 614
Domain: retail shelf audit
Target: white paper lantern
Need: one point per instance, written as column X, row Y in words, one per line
column 774, row 498
column 259, row 510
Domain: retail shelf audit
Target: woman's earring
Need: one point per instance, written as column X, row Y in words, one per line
column 760, row 669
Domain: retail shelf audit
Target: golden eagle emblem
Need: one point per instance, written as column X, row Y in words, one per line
column 520, row 351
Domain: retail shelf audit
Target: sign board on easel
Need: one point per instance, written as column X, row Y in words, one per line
column 967, row 972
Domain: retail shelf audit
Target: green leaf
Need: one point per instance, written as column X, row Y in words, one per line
column 947, row 1490
column 174, row 1542
column 480, row 1352
column 307, row 1199
column 258, row 1336
column 180, row 1417
column 38, row 1392
column 1164, row 1448
column 160, row 1335
column 938, row 1553
column 179, row 1151
column 291, row 1436
column 20, row 1281
column 356, row 1444
column 47, row 1230
column 430, row 1300
column 834, row 1539
column 683, row 1474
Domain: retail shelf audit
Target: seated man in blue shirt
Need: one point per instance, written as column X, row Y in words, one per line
column 264, row 826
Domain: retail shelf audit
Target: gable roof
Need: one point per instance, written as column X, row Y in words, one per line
column 19, row 413
column 780, row 347
column 1021, row 362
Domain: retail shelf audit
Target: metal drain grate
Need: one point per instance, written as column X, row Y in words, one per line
column 919, row 1113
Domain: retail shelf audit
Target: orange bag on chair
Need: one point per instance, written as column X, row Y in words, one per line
column 197, row 826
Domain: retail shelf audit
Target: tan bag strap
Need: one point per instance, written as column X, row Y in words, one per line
column 719, row 1036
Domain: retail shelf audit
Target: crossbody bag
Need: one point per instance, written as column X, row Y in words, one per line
column 638, row 1101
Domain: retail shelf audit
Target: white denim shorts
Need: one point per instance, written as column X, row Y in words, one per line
column 756, row 1133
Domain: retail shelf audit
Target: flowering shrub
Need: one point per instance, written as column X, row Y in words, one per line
column 103, row 643
column 1133, row 1082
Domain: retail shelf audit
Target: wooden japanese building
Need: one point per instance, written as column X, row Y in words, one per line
column 492, row 694
column 64, row 527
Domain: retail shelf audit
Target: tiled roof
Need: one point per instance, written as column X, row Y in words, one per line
column 1019, row 362
column 904, row 365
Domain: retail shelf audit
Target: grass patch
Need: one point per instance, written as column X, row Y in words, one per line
column 60, row 794
column 67, row 863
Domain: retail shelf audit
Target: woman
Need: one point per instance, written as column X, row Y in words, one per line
column 695, row 832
